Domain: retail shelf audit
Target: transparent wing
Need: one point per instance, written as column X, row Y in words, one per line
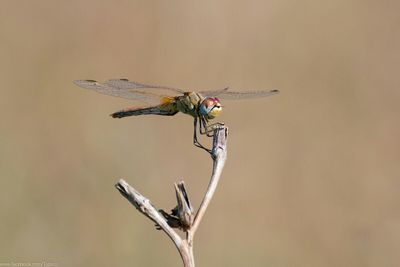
column 213, row 92
column 124, row 84
column 231, row 95
column 130, row 90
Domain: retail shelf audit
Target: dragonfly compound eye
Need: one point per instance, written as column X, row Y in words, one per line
column 210, row 107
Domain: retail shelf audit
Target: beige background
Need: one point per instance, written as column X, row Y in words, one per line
column 312, row 177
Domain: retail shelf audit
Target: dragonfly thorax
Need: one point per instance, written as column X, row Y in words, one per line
column 210, row 107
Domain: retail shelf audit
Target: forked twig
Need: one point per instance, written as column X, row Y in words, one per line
column 182, row 216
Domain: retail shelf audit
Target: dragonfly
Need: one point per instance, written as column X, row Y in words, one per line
column 203, row 106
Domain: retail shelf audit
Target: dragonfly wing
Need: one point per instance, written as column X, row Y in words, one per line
column 213, row 92
column 247, row 95
column 231, row 95
column 124, row 84
column 122, row 89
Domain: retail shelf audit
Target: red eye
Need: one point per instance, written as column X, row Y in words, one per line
column 210, row 101
column 214, row 100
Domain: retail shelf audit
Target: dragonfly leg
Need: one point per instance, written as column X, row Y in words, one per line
column 195, row 141
column 208, row 129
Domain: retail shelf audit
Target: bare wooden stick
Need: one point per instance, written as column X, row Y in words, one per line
column 183, row 213
column 218, row 155
column 144, row 205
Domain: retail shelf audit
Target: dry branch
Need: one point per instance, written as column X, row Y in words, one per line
column 182, row 216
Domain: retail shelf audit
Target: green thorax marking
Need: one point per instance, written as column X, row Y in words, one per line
column 189, row 103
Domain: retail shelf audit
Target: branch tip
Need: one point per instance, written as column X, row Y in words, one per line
column 183, row 215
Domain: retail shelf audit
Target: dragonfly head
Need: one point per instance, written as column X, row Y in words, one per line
column 210, row 107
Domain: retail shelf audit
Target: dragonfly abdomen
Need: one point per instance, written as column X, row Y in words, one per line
column 157, row 110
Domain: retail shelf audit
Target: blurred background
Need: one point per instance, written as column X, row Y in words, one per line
column 312, row 177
